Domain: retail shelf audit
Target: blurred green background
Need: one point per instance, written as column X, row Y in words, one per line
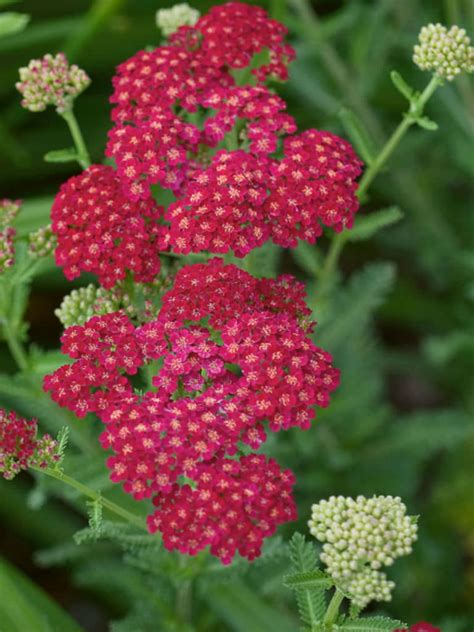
column 398, row 322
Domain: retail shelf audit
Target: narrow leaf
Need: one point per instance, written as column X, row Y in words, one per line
column 25, row 607
column 356, row 131
column 11, row 23
column 401, row 85
column 311, row 579
column 61, row 155
column 427, row 123
column 366, row 226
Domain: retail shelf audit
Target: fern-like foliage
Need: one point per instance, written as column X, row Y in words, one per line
column 372, row 624
column 310, row 598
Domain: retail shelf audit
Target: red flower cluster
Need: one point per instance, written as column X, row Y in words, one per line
column 233, row 507
column 422, row 626
column 240, row 201
column 314, row 185
column 198, row 60
column 20, row 448
column 233, row 354
column 223, row 208
column 233, row 200
column 100, row 231
column 156, row 151
column 263, row 110
column 104, row 349
column 230, row 35
column 173, row 106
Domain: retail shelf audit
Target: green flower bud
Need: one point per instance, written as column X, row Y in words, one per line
column 445, row 53
column 42, row 242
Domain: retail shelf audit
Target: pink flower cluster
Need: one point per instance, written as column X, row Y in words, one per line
column 233, row 357
column 100, row 231
column 20, row 447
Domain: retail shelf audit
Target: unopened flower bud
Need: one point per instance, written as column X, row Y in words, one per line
column 42, row 242
column 352, row 525
column 445, row 53
column 51, row 81
column 8, row 211
column 169, row 20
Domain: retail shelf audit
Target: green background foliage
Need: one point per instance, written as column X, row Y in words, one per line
column 396, row 317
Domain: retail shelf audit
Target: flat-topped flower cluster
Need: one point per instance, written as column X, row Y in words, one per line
column 196, row 116
column 230, row 358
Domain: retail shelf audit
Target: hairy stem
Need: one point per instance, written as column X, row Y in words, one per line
column 333, row 609
column 93, row 495
column 83, row 157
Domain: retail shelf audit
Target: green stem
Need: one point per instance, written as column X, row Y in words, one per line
column 409, row 119
column 333, row 609
column 82, row 153
column 15, row 346
column 93, row 495
column 416, row 110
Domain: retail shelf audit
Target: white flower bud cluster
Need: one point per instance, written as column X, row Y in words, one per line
column 360, row 537
column 51, row 81
column 42, row 242
column 78, row 306
column 85, row 302
column 169, row 20
column 446, row 53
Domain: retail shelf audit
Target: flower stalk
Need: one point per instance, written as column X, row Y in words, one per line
column 333, row 609
column 83, row 157
column 59, row 475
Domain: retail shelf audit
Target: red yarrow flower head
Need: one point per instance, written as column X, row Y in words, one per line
column 233, row 506
column 231, row 34
column 314, row 186
column 231, row 357
column 259, row 112
column 198, row 60
column 223, row 207
column 152, row 151
column 20, row 446
column 100, row 231
column 105, row 350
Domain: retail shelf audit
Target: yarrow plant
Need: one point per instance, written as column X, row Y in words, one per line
column 191, row 363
